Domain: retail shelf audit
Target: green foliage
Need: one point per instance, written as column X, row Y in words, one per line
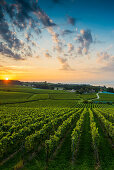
column 12, row 97
column 107, row 113
column 65, row 96
column 108, row 125
column 54, row 140
column 44, row 118
column 94, row 130
column 76, row 133
column 25, row 125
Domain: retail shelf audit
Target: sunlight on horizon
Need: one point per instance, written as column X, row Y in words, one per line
column 57, row 42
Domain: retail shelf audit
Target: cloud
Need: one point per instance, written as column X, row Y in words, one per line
column 65, row 65
column 18, row 14
column 47, row 55
column 55, row 36
column 67, row 32
column 44, row 18
column 103, row 56
column 56, row 40
column 107, row 59
column 110, row 65
column 19, row 11
column 71, row 20
column 28, row 36
column 9, row 53
column 9, row 38
column 85, row 40
column 70, row 47
column 79, row 50
column 22, row 11
column 58, row 48
column 62, row 60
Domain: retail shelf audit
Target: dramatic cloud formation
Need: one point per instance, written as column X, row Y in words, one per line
column 22, row 14
column 28, row 16
column 7, row 35
column 19, row 13
column 8, row 53
column 33, row 28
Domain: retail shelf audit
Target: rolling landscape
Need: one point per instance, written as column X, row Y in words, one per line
column 55, row 129
column 56, row 85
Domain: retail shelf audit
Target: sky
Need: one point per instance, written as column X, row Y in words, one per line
column 69, row 41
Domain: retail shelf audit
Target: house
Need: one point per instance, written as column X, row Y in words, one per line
column 58, row 88
column 73, row 91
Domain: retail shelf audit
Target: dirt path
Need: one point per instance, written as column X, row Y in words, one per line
column 98, row 97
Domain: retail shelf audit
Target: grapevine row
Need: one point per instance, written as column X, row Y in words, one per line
column 108, row 125
column 94, row 134
column 76, row 133
column 55, row 139
column 39, row 137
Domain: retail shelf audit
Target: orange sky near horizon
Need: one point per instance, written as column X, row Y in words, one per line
column 51, row 70
column 52, row 75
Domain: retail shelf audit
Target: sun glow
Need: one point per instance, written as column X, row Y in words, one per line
column 6, row 78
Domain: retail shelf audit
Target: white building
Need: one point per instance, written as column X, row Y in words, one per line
column 58, row 88
column 73, row 91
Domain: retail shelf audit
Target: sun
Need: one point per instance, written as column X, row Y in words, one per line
column 6, row 78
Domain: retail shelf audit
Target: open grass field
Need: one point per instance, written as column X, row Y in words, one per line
column 23, row 94
column 24, row 89
column 8, row 97
column 40, row 131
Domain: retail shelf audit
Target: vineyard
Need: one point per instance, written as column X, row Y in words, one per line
column 55, row 131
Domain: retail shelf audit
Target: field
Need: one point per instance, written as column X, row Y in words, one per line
column 106, row 97
column 55, row 130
